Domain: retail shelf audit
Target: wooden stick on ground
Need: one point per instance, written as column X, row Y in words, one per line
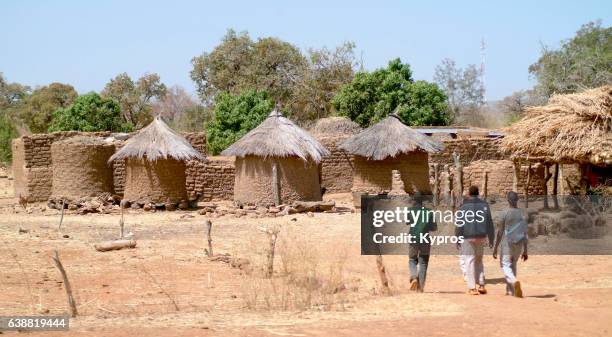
column 114, row 245
column 209, row 251
column 71, row 302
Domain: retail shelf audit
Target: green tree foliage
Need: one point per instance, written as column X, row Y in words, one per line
column 7, row 133
column 38, row 108
column 235, row 115
column 304, row 84
column 135, row 98
column 584, row 61
column 90, row 112
column 371, row 96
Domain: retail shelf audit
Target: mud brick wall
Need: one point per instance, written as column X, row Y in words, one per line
column 469, row 149
column 211, row 180
column 500, row 177
column 337, row 168
column 197, row 140
column 32, row 164
column 374, row 176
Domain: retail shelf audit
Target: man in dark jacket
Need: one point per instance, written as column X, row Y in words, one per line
column 475, row 224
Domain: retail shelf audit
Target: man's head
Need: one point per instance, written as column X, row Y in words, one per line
column 512, row 198
column 417, row 199
column 473, row 191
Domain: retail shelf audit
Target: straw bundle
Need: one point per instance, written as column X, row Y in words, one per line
column 571, row 128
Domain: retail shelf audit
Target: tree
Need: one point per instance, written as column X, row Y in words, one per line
column 513, row 106
column 135, row 98
column 325, row 73
column 235, row 115
column 7, row 133
column 38, row 108
column 181, row 110
column 90, row 112
column 464, row 90
column 371, row 96
column 584, row 61
column 239, row 64
column 12, row 97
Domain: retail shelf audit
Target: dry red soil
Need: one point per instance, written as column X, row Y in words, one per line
column 134, row 291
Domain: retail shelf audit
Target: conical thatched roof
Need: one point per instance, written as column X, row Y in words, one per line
column 277, row 136
column 333, row 126
column 389, row 138
column 570, row 128
column 157, row 141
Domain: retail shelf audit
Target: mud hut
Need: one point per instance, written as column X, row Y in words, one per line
column 155, row 165
column 80, row 168
column 570, row 129
column 277, row 162
column 337, row 167
column 386, row 146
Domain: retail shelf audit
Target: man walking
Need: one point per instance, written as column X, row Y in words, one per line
column 512, row 237
column 475, row 225
column 418, row 251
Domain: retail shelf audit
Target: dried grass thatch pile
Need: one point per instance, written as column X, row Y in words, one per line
column 570, row 128
column 335, row 126
column 277, row 136
column 157, row 141
column 389, row 138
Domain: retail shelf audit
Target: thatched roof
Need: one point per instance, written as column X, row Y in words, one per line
column 157, row 141
column 389, row 138
column 335, row 126
column 570, row 128
column 277, row 136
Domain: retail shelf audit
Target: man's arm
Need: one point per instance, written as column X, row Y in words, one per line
column 500, row 230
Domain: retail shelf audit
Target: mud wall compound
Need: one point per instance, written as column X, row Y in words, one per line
column 211, row 180
column 336, row 168
column 80, row 168
column 299, row 180
column 375, row 176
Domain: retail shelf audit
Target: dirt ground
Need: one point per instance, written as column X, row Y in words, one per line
column 168, row 287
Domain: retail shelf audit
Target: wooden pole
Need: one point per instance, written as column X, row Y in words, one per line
column 382, row 273
column 458, row 179
column 59, row 227
column 555, row 186
column 436, row 190
column 448, row 183
column 547, row 176
column 209, row 251
column 272, row 236
column 517, row 173
column 527, row 183
column 561, row 180
column 121, row 222
column 71, row 302
column 485, row 184
column 275, row 184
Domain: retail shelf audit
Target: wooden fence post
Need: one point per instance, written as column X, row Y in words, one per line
column 71, row 302
column 209, row 251
column 436, row 190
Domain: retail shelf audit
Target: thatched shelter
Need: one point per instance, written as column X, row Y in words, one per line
column 337, row 167
column 386, row 146
column 80, row 168
column 155, row 167
column 574, row 128
column 570, row 129
column 277, row 162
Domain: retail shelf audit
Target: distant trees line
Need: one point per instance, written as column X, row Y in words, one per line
column 241, row 79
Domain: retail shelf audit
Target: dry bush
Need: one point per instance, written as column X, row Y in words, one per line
column 304, row 277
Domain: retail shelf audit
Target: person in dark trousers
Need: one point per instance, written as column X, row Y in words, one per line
column 418, row 251
column 512, row 238
column 475, row 225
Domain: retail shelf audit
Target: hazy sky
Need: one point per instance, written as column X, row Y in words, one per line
column 86, row 44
